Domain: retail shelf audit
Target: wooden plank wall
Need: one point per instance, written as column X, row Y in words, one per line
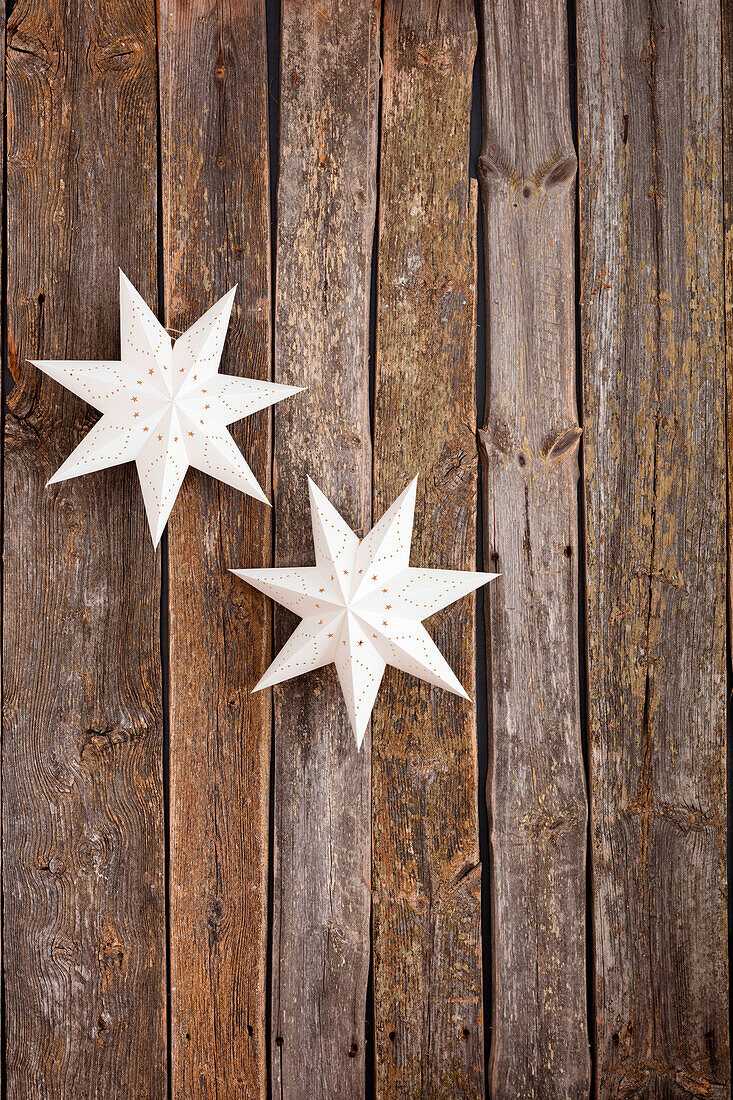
column 209, row 893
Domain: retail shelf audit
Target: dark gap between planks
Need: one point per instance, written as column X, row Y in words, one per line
column 164, row 609
column 370, row 1060
column 482, row 655
column 370, row 1045
column 273, row 26
column 582, row 624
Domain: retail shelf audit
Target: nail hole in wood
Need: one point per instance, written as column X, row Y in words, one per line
column 392, row 1036
column 353, row 1050
column 568, row 551
column 279, row 1041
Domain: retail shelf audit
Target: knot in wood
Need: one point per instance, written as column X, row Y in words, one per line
column 562, row 444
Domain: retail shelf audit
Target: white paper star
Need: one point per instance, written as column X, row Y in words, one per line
column 362, row 606
column 164, row 405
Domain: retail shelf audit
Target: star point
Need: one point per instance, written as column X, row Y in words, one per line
column 352, row 625
column 172, row 427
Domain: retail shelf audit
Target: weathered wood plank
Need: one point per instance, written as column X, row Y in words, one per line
column 83, row 874
column 329, row 84
column 529, row 443
column 654, row 395
column 427, row 874
column 213, row 62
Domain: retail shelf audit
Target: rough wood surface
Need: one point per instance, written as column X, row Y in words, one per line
column 654, row 394
column 329, row 86
column 213, row 80
column 83, row 874
column 529, row 445
column 427, row 874
column 727, row 126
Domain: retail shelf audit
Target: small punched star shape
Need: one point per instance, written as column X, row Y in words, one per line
column 356, row 633
column 166, row 434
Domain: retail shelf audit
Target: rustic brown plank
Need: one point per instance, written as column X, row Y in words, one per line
column 529, row 443
column 652, row 315
column 83, row 874
column 329, row 85
column 427, row 874
column 213, row 67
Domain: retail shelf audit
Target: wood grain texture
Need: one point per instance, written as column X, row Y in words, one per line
column 529, row 444
column 427, row 874
column 329, row 87
column 213, row 79
column 654, row 393
column 83, row 874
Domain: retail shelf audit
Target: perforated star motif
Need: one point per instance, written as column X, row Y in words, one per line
column 164, row 405
column 362, row 606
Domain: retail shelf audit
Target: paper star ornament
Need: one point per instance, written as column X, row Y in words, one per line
column 362, row 606
column 164, row 405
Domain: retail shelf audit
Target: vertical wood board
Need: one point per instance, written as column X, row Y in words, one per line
column 529, row 443
column 329, row 87
column 216, row 232
column 83, row 875
column 427, row 874
column 654, row 398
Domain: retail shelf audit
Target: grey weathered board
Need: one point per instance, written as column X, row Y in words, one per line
column 529, row 444
column 329, row 86
column 654, row 400
column 83, row 836
column 216, row 232
column 427, row 873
